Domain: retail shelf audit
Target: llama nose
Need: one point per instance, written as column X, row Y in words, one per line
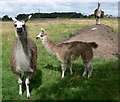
column 19, row 30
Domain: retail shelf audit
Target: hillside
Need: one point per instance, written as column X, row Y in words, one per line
column 104, row 36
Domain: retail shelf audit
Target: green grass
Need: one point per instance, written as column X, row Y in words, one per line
column 0, row 62
column 47, row 83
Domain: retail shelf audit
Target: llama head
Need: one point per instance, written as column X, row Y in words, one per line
column 20, row 26
column 41, row 35
column 99, row 3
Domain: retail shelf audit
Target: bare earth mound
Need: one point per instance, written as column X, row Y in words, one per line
column 103, row 35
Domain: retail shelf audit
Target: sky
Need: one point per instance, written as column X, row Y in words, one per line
column 14, row 7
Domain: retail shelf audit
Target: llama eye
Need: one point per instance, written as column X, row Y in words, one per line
column 41, row 35
column 15, row 25
column 23, row 25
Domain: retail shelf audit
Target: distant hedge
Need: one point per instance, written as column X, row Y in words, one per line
column 49, row 15
column 52, row 15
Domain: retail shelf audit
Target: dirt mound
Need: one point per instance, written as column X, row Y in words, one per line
column 104, row 36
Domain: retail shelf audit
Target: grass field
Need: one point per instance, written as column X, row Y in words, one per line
column 47, row 84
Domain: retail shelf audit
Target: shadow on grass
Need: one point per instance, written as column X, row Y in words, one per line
column 35, row 81
column 103, row 85
column 77, row 69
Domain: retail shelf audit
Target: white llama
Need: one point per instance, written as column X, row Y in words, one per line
column 23, row 55
column 98, row 13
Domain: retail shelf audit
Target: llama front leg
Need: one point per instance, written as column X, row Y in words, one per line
column 20, row 85
column 64, row 67
column 99, row 21
column 96, row 21
column 27, row 86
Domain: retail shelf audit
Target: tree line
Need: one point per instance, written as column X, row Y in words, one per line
column 50, row 15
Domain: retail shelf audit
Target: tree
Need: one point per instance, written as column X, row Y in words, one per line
column 22, row 16
column 6, row 18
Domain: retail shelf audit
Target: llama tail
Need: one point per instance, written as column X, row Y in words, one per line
column 93, row 45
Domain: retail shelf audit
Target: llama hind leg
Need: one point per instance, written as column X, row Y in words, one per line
column 85, row 68
column 85, row 71
column 87, row 57
column 70, row 67
column 96, row 21
column 64, row 67
column 20, row 84
column 88, row 69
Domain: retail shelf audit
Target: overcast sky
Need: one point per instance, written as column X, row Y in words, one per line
column 15, row 7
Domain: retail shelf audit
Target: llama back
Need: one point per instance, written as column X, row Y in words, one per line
column 72, row 50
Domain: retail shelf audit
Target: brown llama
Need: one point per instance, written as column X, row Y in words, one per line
column 66, row 52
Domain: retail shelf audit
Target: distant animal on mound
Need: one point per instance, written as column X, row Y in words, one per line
column 23, row 56
column 98, row 13
column 66, row 52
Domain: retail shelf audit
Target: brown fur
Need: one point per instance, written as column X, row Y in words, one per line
column 66, row 52
column 73, row 50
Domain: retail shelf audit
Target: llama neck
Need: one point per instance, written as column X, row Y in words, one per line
column 98, row 7
column 49, row 45
column 22, row 43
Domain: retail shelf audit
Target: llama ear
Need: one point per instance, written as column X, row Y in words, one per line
column 14, row 19
column 42, row 30
column 99, row 3
column 28, row 18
